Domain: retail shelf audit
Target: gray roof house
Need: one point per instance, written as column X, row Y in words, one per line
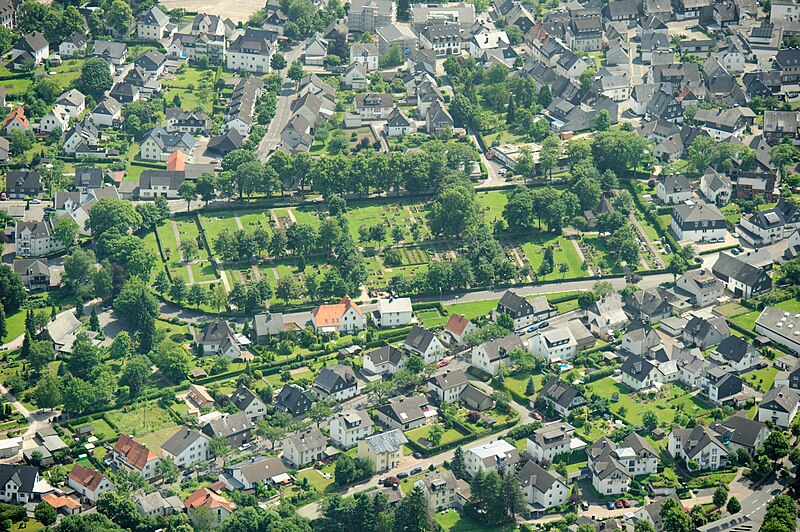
column 293, row 399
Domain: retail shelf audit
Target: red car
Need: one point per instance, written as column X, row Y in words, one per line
column 626, row 503
column 536, row 415
column 443, row 363
column 618, row 503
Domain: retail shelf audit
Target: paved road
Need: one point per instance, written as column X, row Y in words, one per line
column 272, row 138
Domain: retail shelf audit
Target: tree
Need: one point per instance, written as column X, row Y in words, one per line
column 95, row 78
column 269, row 432
column 319, row 412
column 720, row 497
column 278, row 62
column 454, row 211
column 602, row 121
column 118, row 18
column 188, row 192
column 3, row 326
column 85, row 357
column 189, row 249
column 286, row 289
column 206, row 186
column 674, row 517
column 392, row 58
column 121, row 346
column 173, row 360
column 45, row 514
column 733, row 506
column 168, row 470
column 47, row 393
column 178, row 290
column 113, row 214
column 603, row 289
column 457, row 465
column 66, row 231
column 295, row 72
column 435, row 433
column 218, row 445
column 643, row 525
column 94, row 321
column 413, row 514
column 136, row 375
column 198, row 295
column 776, row 446
column 650, row 420
column 12, row 291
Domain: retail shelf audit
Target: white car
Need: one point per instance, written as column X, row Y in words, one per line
column 503, row 171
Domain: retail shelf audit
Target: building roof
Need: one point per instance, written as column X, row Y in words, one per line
column 501, row 347
column 259, row 469
column 781, row 399
column 208, row 498
column 293, row 398
column 154, row 17
column 385, row 354
column 394, row 305
column 559, row 392
column 243, row 397
column 740, row 429
column 405, row 409
column 637, row 367
column 335, row 377
column 419, row 339
column 390, row 441
column 133, row 453
column 728, row 266
column 734, row 348
column 86, row 477
column 331, row 315
column 492, row 452
column 268, row 324
column 457, row 324
column 450, row 379
column 182, row 440
column 228, row 426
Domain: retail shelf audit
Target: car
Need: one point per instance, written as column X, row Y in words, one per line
column 698, row 260
column 416, row 471
column 402, row 475
column 49, row 209
column 610, row 505
column 442, row 363
column 735, row 252
column 584, row 505
column 533, row 328
column 536, row 415
column 618, row 504
column 35, row 201
column 544, row 325
column 735, row 234
column 2, row 196
column 245, row 446
column 626, row 503
column 416, row 455
column 503, row 171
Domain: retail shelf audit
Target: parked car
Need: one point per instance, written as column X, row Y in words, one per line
column 584, row 506
column 536, row 415
column 417, row 455
column 533, row 328
column 442, row 363
column 544, row 325
column 416, row 471
column 618, row 504
column 626, row 503
column 35, row 201
column 610, row 505
column 402, row 475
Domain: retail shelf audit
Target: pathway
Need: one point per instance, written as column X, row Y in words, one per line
column 658, row 262
column 575, row 243
column 238, row 221
column 180, row 251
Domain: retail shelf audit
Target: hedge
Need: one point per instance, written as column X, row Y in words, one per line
column 426, row 452
column 599, row 374
column 637, row 199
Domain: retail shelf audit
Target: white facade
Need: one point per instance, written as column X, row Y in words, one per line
column 58, row 117
column 497, row 456
column 554, row 344
column 196, row 452
column 259, row 63
column 349, row 427
column 395, row 312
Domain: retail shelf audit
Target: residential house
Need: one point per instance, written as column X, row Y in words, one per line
column 700, row 223
column 35, row 273
column 366, row 54
column 438, row 118
column 552, row 440
column 267, row 326
column 89, row 484
column 476, row 399
column 384, row 450
column 235, row 428
column 217, row 338
column 373, row 106
column 293, row 399
column 664, row 106
column 134, row 456
column 393, row 312
column 562, row 396
column 557, row 344
column 73, row 45
column 35, row 239
column 440, row 489
column 56, row 118
column 424, row 344
column 722, row 124
column 770, row 226
column 524, row 312
column 605, row 315
column 639, row 373
column 16, row 120
column 369, row 15
column 344, row 317
column 741, row 432
column 156, row 505
column 447, row 386
column 152, row 25
column 31, row 49
column 398, row 123
column 316, row 51
column 252, row 51
column 355, row 76
column 673, row 189
column 543, row 489
column 492, row 354
column 737, row 353
column 406, row 413
column 23, row 183
column 778, row 125
column 115, row 53
column 268, row 471
column 699, row 447
column 249, row 403
column 705, row 332
column 385, row 360
column 212, row 499
column 649, row 305
column 456, row 328
column 158, row 144
column 181, row 121
column 336, row 381
column 349, row 426
column 721, row 386
column 160, row 183
column 186, row 447
column 640, row 339
column 716, row 187
column 73, row 101
column 443, row 38
column 703, row 287
column 498, row 456
column 780, row 406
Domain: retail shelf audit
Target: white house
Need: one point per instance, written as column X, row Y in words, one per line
column 498, row 456
column 186, row 447
column 555, row 344
column 699, row 446
column 639, row 373
column 552, row 440
column 252, row 51
column 90, row 484
column 393, row 312
column 259, row 470
column 425, row 344
column 716, row 187
column 543, row 489
column 397, row 124
column 700, row 222
column 58, row 117
column 385, row 360
column 366, row 54
column 304, row 447
column 441, row 489
column 490, row 356
column 448, row 386
column 336, row 381
column 456, row 328
column 736, row 352
column 779, row 405
column 73, row 101
column 152, row 25
column 35, row 239
column 349, row 426
column 673, row 189
column 344, row 317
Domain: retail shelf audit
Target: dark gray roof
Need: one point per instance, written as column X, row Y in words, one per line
column 741, row 430
column 637, row 367
column 23, row 476
column 228, row 426
column 419, row 339
column 32, row 42
column 243, row 397
column 181, row 441
column 501, row 347
column 405, row 409
column 450, row 379
column 782, row 399
column 386, row 353
column 532, row 474
column 293, row 399
column 559, row 392
column 735, row 349
column 334, row 378
column 109, row 49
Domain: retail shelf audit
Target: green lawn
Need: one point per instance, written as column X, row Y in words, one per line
column 450, row 435
column 564, row 252
column 136, row 420
column 473, row 309
column 747, row 321
column 154, row 440
column 15, row 326
column 492, row 203
column 101, row 429
column 315, row 478
column 761, row 378
column 452, row 521
column 432, row 318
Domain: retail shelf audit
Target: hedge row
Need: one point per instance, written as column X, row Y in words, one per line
column 637, row 199
column 426, row 452
column 599, row 374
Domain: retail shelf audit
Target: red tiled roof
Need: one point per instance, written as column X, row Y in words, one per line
column 18, row 113
column 456, row 324
column 331, row 315
column 133, row 452
column 209, row 498
column 86, row 477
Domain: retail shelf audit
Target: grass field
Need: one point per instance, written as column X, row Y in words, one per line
column 101, row 429
column 15, row 326
column 136, row 421
column 450, row 435
column 453, row 521
column 156, row 439
column 315, row 478
column 473, row 309
column 564, row 252
column 492, row 203
column 762, row 378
